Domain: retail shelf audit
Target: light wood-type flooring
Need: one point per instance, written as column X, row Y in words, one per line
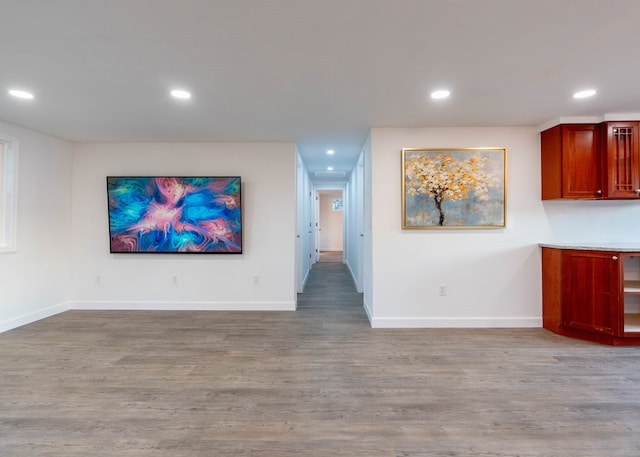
column 330, row 256
column 315, row 382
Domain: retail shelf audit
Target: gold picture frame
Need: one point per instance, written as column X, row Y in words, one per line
column 452, row 188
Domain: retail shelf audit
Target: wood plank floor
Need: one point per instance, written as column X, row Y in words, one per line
column 330, row 256
column 315, row 382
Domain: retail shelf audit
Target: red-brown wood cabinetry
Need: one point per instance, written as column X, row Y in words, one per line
column 592, row 294
column 571, row 163
column 621, row 159
column 591, row 161
column 591, row 290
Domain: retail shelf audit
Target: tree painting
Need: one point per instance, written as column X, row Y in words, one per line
column 466, row 187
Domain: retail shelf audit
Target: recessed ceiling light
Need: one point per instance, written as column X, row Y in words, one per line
column 329, row 168
column 182, row 94
column 331, row 152
column 584, row 93
column 21, row 94
column 439, row 94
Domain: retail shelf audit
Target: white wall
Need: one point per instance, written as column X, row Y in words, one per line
column 354, row 223
column 367, row 244
column 331, row 222
column 35, row 280
column 493, row 277
column 304, row 224
column 139, row 281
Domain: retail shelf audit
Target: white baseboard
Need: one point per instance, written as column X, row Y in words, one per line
column 183, row 306
column 353, row 277
column 304, row 281
column 376, row 322
column 15, row 322
column 367, row 309
column 454, row 322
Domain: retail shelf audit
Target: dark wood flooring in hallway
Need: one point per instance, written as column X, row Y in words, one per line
column 315, row 382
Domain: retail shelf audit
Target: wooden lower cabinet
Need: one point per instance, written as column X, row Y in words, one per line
column 590, row 291
column 591, row 294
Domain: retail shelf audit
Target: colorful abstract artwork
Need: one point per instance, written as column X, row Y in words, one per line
column 454, row 188
column 175, row 214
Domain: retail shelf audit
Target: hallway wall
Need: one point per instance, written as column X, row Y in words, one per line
column 305, row 247
column 354, row 223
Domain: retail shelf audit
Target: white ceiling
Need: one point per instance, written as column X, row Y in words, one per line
column 318, row 73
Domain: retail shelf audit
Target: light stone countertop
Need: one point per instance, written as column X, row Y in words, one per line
column 596, row 246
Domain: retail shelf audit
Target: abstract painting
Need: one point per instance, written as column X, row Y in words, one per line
column 454, row 188
column 171, row 214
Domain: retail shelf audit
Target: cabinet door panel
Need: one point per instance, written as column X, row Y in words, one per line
column 591, row 291
column 580, row 161
column 622, row 160
column 571, row 161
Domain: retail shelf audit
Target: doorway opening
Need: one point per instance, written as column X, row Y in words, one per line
column 330, row 233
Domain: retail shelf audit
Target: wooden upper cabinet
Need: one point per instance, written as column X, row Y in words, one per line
column 571, row 162
column 621, row 159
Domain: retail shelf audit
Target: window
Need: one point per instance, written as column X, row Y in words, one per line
column 8, row 193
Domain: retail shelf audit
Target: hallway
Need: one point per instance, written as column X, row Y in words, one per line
column 330, row 286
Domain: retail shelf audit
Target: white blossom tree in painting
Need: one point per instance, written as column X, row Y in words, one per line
column 443, row 176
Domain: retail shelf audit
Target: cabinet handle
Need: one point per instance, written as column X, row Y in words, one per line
column 615, row 257
column 599, row 192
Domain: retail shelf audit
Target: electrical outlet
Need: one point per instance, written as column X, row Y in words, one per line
column 443, row 290
column 98, row 280
column 174, row 280
column 256, row 280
